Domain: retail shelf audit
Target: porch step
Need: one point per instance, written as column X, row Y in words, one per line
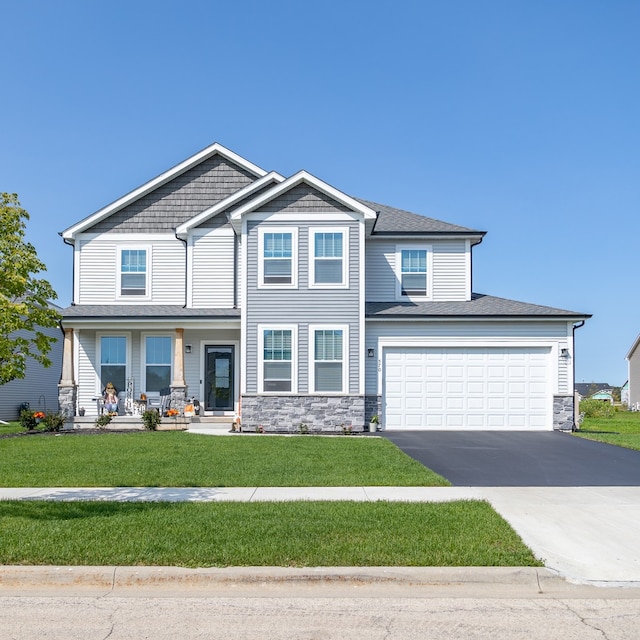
column 117, row 422
column 204, row 420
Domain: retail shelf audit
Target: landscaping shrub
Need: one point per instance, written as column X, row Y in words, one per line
column 53, row 421
column 151, row 419
column 596, row 409
column 27, row 419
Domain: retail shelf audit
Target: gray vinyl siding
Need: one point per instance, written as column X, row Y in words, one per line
column 213, row 273
column 99, row 270
column 302, row 306
column 40, row 385
column 525, row 331
column 450, row 278
column 303, row 198
column 179, row 199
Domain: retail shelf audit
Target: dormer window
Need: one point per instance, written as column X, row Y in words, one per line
column 414, row 272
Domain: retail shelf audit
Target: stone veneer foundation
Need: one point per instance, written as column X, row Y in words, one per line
column 318, row 413
column 563, row 413
column 67, row 398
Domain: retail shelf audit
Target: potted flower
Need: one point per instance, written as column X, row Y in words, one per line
column 374, row 422
column 39, row 416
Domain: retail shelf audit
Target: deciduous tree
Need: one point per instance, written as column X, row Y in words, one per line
column 24, row 298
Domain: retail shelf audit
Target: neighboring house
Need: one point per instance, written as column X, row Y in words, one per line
column 39, row 387
column 624, row 393
column 633, row 366
column 289, row 301
column 588, row 389
column 606, row 395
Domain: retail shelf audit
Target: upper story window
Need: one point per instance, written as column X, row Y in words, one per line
column 278, row 251
column 328, row 264
column 277, row 350
column 134, row 272
column 413, row 272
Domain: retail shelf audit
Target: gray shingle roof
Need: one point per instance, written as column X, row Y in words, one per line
column 480, row 305
column 397, row 221
column 154, row 311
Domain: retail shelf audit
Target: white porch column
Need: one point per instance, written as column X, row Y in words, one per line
column 178, row 360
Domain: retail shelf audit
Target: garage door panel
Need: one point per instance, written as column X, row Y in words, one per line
column 467, row 388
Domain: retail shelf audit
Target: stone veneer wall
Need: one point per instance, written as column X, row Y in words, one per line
column 318, row 413
column 178, row 398
column 563, row 413
column 67, row 398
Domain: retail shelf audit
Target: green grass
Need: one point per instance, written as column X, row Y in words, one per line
column 465, row 533
column 178, row 459
column 623, row 429
column 11, row 427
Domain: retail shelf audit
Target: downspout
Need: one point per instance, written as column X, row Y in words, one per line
column 575, row 326
column 186, row 266
column 471, row 264
column 73, row 271
column 235, row 262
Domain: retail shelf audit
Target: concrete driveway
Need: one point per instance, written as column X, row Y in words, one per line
column 520, row 458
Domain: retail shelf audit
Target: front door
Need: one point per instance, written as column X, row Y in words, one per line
column 218, row 378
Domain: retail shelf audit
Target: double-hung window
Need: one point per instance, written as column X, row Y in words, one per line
column 134, row 272
column 328, row 261
column 278, row 248
column 157, row 363
column 328, row 359
column 277, row 346
column 413, row 272
column 113, row 362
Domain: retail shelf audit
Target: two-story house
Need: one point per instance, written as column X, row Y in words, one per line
column 292, row 302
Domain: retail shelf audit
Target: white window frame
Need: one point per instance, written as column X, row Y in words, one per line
column 429, row 275
column 345, row 357
column 294, row 357
column 147, row 284
column 313, row 231
column 143, row 359
column 127, row 368
column 294, row 257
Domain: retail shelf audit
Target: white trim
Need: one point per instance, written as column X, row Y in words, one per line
column 362, row 287
column 293, row 216
column 76, row 273
column 143, row 357
column 243, row 307
column 294, row 181
column 429, row 275
column 345, row 358
column 189, row 275
column 261, row 328
column 133, row 246
column 467, row 270
column 98, row 365
column 294, row 257
column 313, row 231
column 163, row 178
column 229, row 201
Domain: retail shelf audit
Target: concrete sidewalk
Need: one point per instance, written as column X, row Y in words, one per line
column 586, row 534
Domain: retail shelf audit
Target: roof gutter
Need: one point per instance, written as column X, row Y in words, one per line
column 186, row 265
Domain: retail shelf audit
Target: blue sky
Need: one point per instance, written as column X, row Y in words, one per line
column 520, row 118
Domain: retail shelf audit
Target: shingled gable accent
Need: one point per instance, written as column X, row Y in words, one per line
column 313, row 191
column 234, row 200
column 243, row 167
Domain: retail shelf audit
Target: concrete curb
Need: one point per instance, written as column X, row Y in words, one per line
column 496, row 582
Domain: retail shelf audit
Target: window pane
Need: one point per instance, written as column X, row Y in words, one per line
column 277, row 271
column 414, row 261
column 414, row 285
column 277, row 245
column 328, row 271
column 277, row 344
column 328, row 344
column 328, row 245
column 133, row 267
column 158, row 349
column 328, row 376
column 115, row 374
column 158, row 377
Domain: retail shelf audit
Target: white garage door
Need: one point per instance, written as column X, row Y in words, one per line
column 467, row 388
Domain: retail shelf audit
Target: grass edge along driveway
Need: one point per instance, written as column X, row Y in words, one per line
column 178, row 459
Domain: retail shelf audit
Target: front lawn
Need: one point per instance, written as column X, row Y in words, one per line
column 292, row 534
column 178, row 459
column 10, row 427
column 623, row 429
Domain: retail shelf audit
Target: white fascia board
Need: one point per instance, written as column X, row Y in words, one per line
column 229, row 201
column 163, row 178
column 152, row 324
column 453, row 318
column 424, row 235
column 295, row 180
column 634, row 346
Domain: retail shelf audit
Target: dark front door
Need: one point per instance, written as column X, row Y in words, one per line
column 218, row 378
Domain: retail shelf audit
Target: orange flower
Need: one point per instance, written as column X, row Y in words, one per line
column 38, row 415
column 172, row 412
